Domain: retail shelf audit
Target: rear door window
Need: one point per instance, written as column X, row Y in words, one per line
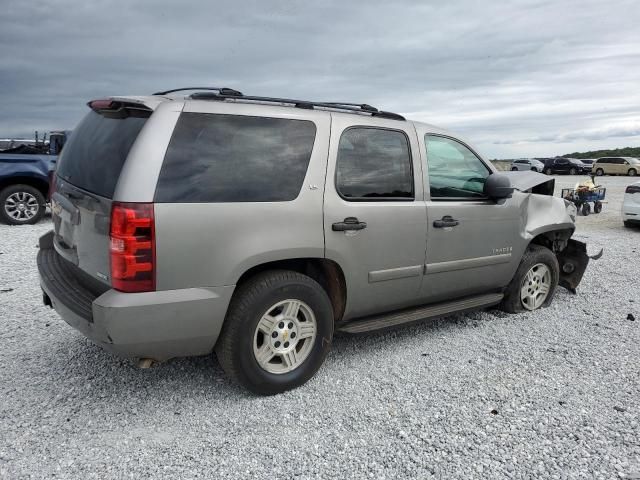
column 374, row 164
column 233, row 158
column 96, row 151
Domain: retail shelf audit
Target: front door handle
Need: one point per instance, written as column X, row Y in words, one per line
column 446, row 221
column 349, row 223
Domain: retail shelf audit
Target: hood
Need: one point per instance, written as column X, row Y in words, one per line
column 530, row 181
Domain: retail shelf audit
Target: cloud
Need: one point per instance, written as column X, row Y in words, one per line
column 498, row 73
column 631, row 129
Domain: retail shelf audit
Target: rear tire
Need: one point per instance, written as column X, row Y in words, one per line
column 525, row 280
column 586, row 209
column 547, row 171
column 514, row 169
column 573, row 171
column 599, row 172
column 244, row 336
column 21, row 205
column 632, row 172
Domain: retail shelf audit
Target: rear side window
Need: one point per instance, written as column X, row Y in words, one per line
column 372, row 164
column 233, row 158
column 94, row 155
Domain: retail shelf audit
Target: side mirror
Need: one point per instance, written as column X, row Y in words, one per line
column 498, row 186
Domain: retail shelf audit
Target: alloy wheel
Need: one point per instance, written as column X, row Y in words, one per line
column 284, row 336
column 21, row 206
column 535, row 286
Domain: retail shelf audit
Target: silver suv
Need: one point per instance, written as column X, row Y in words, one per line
column 258, row 227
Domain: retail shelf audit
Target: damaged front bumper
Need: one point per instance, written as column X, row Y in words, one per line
column 573, row 261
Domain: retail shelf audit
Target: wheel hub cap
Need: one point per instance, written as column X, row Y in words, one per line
column 284, row 336
column 535, row 286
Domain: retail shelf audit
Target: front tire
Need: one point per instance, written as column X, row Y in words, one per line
column 599, row 172
column 632, row 172
column 573, row 171
column 277, row 332
column 21, row 205
column 547, row 171
column 534, row 283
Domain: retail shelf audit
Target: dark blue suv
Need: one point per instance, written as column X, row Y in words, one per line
column 571, row 166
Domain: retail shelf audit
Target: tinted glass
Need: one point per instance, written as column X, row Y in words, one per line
column 94, row 155
column 454, row 170
column 374, row 163
column 232, row 158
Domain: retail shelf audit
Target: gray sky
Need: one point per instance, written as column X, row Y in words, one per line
column 532, row 78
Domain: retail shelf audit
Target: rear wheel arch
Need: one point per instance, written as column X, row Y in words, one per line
column 41, row 185
column 326, row 272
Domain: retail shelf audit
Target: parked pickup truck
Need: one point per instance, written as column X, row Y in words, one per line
column 24, row 187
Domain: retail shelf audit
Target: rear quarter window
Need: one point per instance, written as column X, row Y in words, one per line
column 233, row 158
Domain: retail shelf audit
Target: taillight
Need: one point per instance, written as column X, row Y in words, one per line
column 98, row 105
column 132, row 247
column 633, row 189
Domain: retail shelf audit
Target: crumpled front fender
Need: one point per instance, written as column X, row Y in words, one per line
column 573, row 261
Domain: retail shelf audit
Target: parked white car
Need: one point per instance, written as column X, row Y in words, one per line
column 631, row 206
column 527, row 164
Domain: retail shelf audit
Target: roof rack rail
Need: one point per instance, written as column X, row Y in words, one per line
column 228, row 93
column 223, row 90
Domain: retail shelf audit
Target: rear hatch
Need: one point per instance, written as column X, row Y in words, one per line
column 87, row 174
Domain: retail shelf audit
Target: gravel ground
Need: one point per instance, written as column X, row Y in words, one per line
column 550, row 394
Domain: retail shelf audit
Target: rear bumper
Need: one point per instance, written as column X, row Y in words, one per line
column 157, row 325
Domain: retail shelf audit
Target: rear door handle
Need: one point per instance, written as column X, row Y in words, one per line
column 349, row 223
column 446, row 221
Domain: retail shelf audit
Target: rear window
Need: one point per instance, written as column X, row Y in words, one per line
column 233, row 158
column 94, row 155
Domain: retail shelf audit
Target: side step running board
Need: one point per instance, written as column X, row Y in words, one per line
column 420, row 313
